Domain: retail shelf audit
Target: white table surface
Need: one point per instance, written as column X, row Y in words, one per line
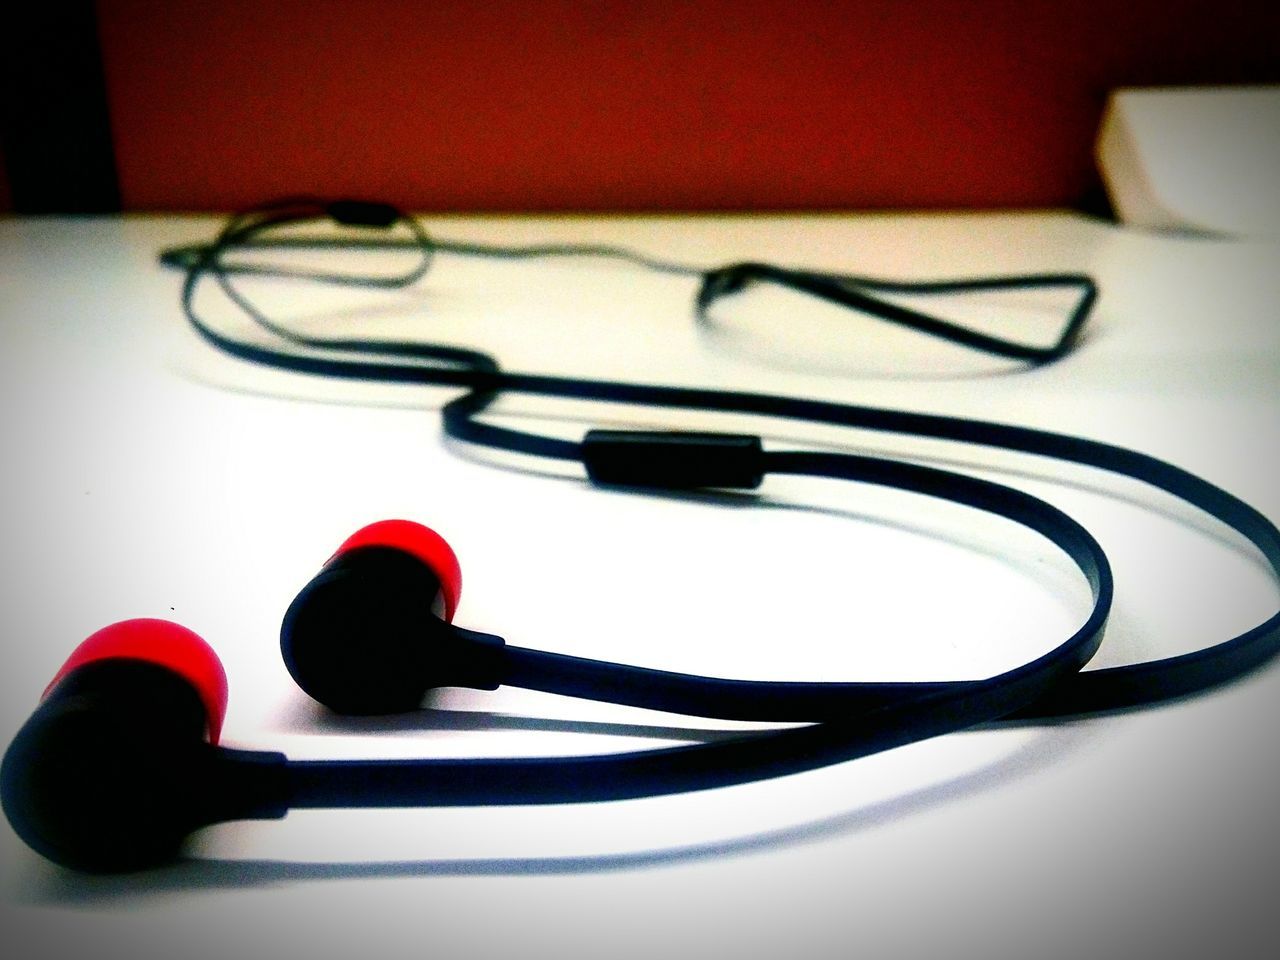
column 146, row 475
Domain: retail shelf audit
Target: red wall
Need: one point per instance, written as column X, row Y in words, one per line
column 599, row 104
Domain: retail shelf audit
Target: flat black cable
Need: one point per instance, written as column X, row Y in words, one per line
column 848, row 290
column 1093, row 691
column 855, row 292
column 451, row 360
column 241, row 228
column 184, row 256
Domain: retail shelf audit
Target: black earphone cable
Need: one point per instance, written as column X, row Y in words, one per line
column 1090, row 691
column 855, row 292
column 115, row 767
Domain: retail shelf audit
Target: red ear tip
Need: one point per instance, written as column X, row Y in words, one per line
column 421, row 542
column 167, row 645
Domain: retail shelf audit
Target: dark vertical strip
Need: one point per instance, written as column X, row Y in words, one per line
column 54, row 130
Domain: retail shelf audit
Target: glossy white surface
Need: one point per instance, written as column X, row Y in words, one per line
column 146, row 475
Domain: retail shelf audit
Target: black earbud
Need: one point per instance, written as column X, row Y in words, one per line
column 119, row 763
column 371, row 632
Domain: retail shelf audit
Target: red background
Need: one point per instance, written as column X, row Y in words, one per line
column 671, row 104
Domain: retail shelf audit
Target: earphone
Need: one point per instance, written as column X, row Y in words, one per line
column 852, row 722
column 121, row 761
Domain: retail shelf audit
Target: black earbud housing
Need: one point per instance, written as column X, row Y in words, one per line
column 112, row 772
column 366, row 636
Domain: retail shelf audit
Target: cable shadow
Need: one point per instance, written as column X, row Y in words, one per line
column 55, row 886
column 434, row 719
column 747, row 347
